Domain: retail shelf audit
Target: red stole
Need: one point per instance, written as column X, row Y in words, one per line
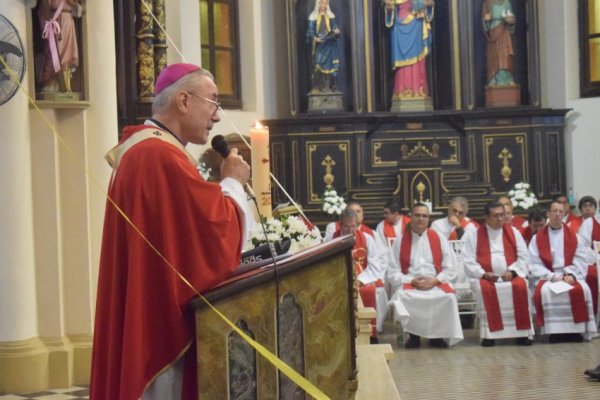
column 576, row 295
column 518, row 222
column 595, row 231
column 575, row 224
column 463, row 224
column 365, row 229
column 488, row 289
column 527, row 235
column 436, row 252
column 388, row 230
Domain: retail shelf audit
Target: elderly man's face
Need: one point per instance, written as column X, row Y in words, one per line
column 348, row 226
column 457, row 210
column 203, row 111
column 359, row 212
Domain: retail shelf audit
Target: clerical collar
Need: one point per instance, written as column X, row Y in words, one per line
column 164, row 128
column 555, row 229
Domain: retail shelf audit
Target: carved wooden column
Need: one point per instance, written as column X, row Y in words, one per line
column 160, row 38
column 145, row 52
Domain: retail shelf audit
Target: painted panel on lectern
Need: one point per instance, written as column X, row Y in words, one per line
column 290, row 340
column 328, row 164
column 505, row 160
column 242, row 365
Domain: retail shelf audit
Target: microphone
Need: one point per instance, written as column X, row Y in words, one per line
column 220, row 145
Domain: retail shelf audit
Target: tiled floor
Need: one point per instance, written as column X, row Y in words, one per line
column 469, row 371
column 73, row 393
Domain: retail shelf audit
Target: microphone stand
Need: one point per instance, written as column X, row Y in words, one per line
column 273, row 255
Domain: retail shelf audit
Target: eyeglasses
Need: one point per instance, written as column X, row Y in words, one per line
column 216, row 103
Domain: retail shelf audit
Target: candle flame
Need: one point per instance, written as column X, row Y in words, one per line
column 258, row 125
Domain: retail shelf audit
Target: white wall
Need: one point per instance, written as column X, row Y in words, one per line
column 18, row 311
column 257, row 59
column 560, row 89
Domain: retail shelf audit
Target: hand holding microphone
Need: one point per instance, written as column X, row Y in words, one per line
column 233, row 165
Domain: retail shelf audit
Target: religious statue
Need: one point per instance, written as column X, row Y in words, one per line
column 498, row 24
column 498, row 21
column 61, row 56
column 410, row 24
column 323, row 35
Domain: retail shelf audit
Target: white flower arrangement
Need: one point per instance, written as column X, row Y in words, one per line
column 204, row 170
column 332, row 203
column 288, row 226
column 522, row 197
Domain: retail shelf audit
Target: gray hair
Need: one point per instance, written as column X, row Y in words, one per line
column 462, row 201
column 165, row 98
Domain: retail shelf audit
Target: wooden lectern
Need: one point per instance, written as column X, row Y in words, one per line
column 314, row 332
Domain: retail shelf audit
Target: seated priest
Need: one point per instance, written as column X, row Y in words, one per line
column 392, row 225
column 587, row 209
column 332, row 227
column 558, row 258
column 496, row 259
column 569, row 216
column 514, row 220
column 535, row 221
column 589, row 232
column 457, row 223
column 421, row 268
column 370, row 266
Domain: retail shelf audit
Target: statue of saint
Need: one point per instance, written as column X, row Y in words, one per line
column 498, row 23
column 410, row 23
column 61, row 56
column 323, row 35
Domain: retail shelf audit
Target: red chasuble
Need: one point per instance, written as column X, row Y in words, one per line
column 463, row 224
column 488, row 289
column 436, row 253
column 143, row 319
column 576, row 295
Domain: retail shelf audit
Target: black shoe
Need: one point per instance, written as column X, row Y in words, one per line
column 575, row 338
column 565, row 337
column 524, row 341
column 373, row 340
column 554, row 338
column 439, row 343
column 488, row 342
column 591, row 371
column 413, row 341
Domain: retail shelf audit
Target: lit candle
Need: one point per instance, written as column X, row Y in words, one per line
column 261, row 173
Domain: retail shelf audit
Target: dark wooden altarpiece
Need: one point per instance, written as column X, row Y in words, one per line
column 459, row 148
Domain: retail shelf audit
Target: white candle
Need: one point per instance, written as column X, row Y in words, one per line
column 261, row 173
